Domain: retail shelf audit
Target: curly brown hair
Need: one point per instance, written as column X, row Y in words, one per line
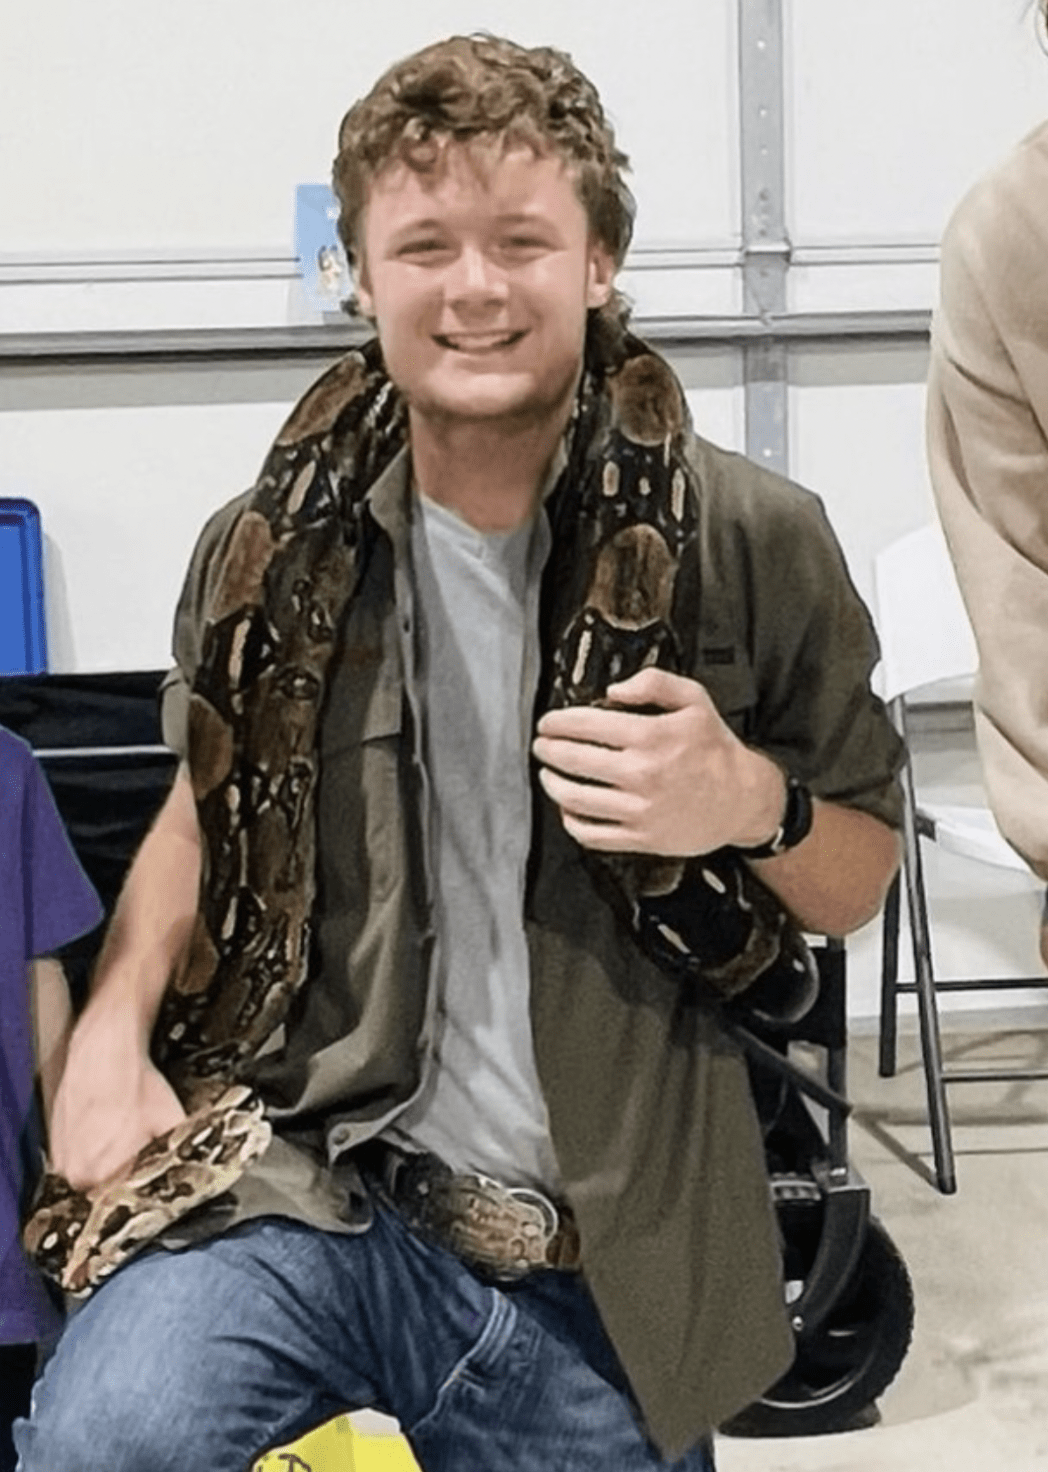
column 482, row 86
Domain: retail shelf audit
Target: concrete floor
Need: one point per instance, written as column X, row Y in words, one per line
column 972, row 1395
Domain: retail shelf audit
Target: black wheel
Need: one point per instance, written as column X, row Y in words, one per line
column 854, row 1355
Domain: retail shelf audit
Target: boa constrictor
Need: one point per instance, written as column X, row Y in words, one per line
column 615, row 599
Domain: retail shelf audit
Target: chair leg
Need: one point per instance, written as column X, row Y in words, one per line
column 889, row 1029
column 928, row 1012
column 938, row 1109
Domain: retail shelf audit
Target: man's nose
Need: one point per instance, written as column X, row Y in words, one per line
column 475, row 279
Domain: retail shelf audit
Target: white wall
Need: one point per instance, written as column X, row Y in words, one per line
column 132, row 124
column 894, row 107
column 123, row 496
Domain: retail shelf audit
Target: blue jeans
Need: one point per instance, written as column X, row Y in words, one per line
column 207, row 1356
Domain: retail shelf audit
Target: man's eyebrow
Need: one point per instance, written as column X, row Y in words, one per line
column 424, row 222
column 534, row 219
column 525, row 217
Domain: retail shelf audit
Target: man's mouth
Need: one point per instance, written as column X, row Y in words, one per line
column 477, row 342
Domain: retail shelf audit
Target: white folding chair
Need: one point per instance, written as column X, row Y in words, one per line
column 926, row 638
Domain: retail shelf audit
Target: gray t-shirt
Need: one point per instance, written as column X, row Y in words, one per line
column 480, row 1107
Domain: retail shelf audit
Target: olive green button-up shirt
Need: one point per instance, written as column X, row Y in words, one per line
column 649, row 1104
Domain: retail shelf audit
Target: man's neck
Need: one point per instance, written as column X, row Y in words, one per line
column 491, row 474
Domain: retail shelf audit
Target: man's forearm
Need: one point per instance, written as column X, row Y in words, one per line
column 837, row 878
column 153, row 919
column 111, row 1100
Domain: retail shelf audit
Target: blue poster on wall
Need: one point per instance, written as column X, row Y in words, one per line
column 321, row 258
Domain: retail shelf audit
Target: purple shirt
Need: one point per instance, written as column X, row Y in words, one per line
column 45, row 901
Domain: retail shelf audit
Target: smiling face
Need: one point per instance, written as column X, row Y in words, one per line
column 479, row 276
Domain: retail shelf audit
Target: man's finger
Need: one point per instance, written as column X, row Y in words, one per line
column 657, row 687
column 586, row 800
column 609, row 838
column 595, row 724
column 584, row 760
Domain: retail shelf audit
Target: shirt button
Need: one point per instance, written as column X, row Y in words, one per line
column 340, row 1134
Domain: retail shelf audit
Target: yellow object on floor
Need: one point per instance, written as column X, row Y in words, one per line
column 339, row 1446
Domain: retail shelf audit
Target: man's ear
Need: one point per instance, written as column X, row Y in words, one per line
column 600, row 277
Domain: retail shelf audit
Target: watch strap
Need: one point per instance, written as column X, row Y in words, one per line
column 797, row 816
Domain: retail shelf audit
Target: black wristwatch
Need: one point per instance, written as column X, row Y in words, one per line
column 796, row 823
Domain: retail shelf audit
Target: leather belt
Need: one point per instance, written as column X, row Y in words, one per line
column 504, row 1232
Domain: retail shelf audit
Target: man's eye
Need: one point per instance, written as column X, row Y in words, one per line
column 422, row 247
column 521, row 243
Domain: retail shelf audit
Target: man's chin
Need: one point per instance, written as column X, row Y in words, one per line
column 484, row 401
column 467, row 393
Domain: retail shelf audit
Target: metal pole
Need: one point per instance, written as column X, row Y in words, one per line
column 765, row 243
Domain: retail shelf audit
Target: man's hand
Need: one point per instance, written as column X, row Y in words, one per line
column 111, row 1101
column 675, row 783
column 680, row 783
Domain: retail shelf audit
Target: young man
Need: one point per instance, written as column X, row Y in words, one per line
column 443, row 1070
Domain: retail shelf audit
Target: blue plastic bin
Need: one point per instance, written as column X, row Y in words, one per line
column 23, row 637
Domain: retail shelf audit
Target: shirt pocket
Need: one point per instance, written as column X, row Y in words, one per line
column 728, row 678
column 361, row 823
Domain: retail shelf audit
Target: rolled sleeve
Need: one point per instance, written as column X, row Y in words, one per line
column 816, row 711
column 174, row 711
column 805, row 646
column 189, row 625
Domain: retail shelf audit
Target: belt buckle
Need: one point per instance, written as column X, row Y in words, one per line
column 506, row 1230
